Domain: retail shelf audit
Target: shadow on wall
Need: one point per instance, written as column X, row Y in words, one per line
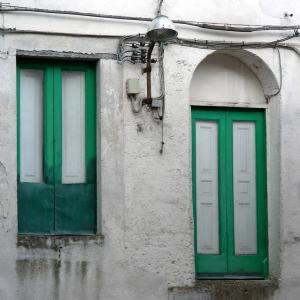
column 56, row 279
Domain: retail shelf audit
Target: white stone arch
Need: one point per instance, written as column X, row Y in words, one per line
column 259, row 66
column 241, row 73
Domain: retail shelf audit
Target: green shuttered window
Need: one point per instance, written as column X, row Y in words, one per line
column 229, row 193
column 56, row 147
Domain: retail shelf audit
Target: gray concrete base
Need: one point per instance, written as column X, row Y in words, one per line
column 226, row 289
column 190, row 295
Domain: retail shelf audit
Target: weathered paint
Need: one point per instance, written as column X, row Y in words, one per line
column 226, row 262
column 52, row 206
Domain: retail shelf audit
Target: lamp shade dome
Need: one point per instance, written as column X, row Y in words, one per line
column 161, row 29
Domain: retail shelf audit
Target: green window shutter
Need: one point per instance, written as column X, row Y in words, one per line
column 242, row 208
column 206, row 262
column 79, row 218
column 57, row 204
column 35, row 196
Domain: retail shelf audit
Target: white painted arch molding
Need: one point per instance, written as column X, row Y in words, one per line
column 238, row 77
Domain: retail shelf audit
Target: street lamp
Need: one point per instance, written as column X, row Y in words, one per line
column 161, row 29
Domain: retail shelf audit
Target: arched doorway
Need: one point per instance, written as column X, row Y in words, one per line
column 229, row 169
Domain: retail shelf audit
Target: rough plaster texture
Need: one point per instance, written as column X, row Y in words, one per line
column 144, row 198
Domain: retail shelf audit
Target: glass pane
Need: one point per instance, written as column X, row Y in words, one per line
column 207, row 187
column 244, row 188
column 31, row 126
column 73, row 127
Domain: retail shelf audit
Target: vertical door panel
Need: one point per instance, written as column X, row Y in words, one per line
column 75, row 153
column 244, row 192
column 31, row 126
column 35, row 194
column 207, row 187
column 73, row 127
column 208, row 130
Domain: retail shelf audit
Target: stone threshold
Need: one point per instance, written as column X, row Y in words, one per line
column 226, row 289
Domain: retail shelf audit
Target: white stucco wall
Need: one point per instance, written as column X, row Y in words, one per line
column 146, row 201
column 223, row 78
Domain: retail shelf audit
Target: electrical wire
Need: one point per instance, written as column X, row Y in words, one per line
column 216, row 45
column 161, row 80
column 5, row 8
column 157, row 114
column 205, row 44
column 268, row 97
column 123, row 40
column 158, row 12
column 45, row 32
column 162, row 138
column 237, row 27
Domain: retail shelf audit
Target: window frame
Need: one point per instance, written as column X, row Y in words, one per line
column 52, row 130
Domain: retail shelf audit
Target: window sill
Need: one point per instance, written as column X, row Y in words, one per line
column 57, row 242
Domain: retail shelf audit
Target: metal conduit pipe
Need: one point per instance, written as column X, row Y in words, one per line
column 4, row 7
column 206, row 44
column 71, row 34
column 148, row 70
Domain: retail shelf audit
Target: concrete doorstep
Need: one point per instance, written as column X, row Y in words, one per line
column 226, row 290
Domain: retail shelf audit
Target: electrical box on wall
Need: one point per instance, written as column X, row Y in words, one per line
column 156, row 103
column 132, row 86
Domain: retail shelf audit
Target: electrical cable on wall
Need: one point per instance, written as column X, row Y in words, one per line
column 204, row 44
column 162, row 138
column 161, row 97
column 6, row 7
column 159, row 7
column 133, row 48
column 162, row 94
column 233, row 45
column 268, row 97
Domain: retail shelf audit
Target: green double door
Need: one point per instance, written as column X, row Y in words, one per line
column 56, row 147
column 229, row 193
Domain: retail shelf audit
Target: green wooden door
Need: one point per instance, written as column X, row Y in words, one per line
column 229, row 192
column 56, row 147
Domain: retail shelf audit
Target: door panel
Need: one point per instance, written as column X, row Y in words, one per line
column 207, row 191
column 73, row 127
column 75, row 155
column 35, row 164
column 75, row 208
column 31, row 122
column 253, row 257
column 35, row 208
column 244, row 188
